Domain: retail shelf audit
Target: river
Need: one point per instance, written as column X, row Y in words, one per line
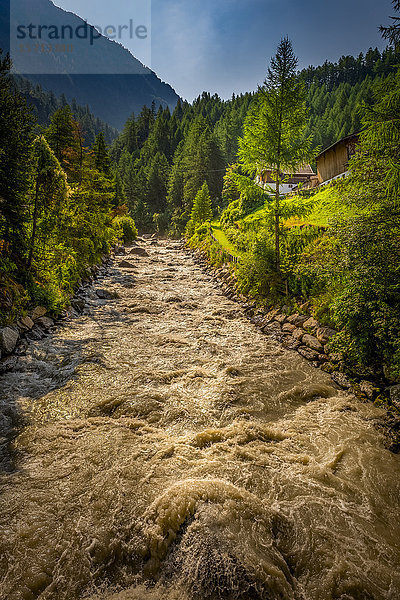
column 164, row 448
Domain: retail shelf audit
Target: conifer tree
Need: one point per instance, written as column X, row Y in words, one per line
column 275, row 126
column 16, row 137
column 202, row 209
column 50, row 189
column 101, row 155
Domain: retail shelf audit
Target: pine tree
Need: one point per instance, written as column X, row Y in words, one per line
column 275, row 126
column 101, row 155
column 50, row 190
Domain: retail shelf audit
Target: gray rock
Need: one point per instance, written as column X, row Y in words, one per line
column 292, row 318
column 272, row 327
column 298, row 334
column 8, row 340
column 139, row 251
column 311, row 324
column 300, row 320
column 394, row 395
column 25, row 324
column 324, row 334
column 312, row 342
column 126, row 265
column 38, row 312
column 106, row 294
column 291, row 344
column 280, row 318
column 308, row 353
column 35, row 335
column 341, row 380
column 45, row 323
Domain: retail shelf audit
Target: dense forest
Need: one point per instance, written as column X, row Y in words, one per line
column 61, row 204
column 164, row 159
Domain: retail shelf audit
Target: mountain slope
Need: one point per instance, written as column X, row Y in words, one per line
column 103, row 75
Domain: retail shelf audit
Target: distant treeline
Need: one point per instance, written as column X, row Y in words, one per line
column 45, row 104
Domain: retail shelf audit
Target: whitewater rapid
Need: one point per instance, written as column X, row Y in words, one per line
column 161, row 447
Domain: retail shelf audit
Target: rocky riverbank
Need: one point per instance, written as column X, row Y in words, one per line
column 39, row 323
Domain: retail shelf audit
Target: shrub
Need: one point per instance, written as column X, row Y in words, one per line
column 125, row 228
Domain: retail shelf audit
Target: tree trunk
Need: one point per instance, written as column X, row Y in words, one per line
column 277, row 239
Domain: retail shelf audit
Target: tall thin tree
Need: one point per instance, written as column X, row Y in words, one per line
column 274, row 129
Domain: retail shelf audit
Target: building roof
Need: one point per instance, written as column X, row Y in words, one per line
column 347, row 138
column 302, row 170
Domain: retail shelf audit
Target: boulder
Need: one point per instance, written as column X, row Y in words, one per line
column 308, row 353
column 324, row 334
column 292, row 318
column 45, row 323
column 280, row 318
column 341, row 380
column 394, row 395
column 312, row 342
column 272, row 327
column 8, row 340
column 288, row 328
column 38, row 312
column 25, row 323
column 311, row 324
column 124, row 264
column 139, row 251
column 106, row 294
column 300, row 320
column 290, row 343
column 298, row 334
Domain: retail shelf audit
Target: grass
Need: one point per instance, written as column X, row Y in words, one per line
column 223, row 240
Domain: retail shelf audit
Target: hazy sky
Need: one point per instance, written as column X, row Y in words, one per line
column 225, row 46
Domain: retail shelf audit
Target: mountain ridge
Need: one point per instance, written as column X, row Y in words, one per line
column 115, row 84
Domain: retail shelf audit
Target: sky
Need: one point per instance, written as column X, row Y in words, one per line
column 225, row 46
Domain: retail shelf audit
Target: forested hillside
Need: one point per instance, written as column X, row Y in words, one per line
column 45, row 104
column 164, row 159
column 104, row 75
column 61, row 205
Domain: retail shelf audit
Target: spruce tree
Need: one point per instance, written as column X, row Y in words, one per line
column 101, row 155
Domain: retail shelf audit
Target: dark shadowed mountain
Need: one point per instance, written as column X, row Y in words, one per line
column 101, row 73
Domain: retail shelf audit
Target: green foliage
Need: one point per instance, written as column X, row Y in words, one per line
column 125, row 228
column 16, row 137
column 202, row 210
column 274, row 130
column 256, row 272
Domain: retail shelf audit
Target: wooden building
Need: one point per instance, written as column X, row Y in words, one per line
column 290, row 181
column 333, row 162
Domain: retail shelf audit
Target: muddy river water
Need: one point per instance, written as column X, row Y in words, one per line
column 164, row 448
